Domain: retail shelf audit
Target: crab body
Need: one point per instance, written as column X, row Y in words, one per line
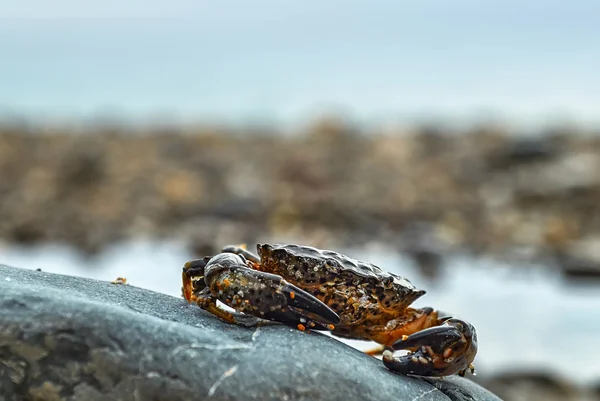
column 324, row 290
column 367, row 299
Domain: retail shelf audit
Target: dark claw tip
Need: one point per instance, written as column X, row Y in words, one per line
column 301, row 299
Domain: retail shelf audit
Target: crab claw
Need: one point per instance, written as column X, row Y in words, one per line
column 437, row 351
column 300, row 299
column 265, row 295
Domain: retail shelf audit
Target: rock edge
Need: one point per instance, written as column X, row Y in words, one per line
column 70, row 338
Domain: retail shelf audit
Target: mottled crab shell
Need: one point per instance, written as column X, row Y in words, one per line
column 307, row 265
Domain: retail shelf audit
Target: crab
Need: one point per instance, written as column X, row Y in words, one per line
column 321, row 290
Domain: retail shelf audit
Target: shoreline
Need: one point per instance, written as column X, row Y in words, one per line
column 425, row 192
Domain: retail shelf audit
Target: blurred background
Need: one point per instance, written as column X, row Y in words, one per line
column 455, row 143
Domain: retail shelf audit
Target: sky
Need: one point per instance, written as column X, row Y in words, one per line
column 283, row 61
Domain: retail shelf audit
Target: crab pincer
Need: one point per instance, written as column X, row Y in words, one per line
column 226, row 277
column 442, row 350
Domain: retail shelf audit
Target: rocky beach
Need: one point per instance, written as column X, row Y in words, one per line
column 427, row 192
column 455, row 145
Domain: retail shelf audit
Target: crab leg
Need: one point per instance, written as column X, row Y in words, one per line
column 192, row 278
column 241, row 250
column 377, row 350
column 437, row 351
column 264, row 295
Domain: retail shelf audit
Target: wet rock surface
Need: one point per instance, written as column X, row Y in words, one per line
column 68, row 338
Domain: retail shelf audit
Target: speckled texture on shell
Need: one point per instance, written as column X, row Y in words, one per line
column 357, row 290
column 247, row 294
column 333, row 264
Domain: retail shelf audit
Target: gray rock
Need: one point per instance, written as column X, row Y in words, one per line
column 69, row 338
